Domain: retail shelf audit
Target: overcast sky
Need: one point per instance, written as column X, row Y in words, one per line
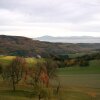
column 33, row 18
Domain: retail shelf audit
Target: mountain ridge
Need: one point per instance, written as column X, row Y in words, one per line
column 23, row 46
column 70, row 39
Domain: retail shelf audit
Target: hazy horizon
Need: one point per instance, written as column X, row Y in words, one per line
column 52, row 36
column 36, row 18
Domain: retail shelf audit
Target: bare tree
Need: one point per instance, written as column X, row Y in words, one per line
column 14, row 71
column 41, row 75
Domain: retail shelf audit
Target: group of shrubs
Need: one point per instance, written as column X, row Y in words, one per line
column 82, row 61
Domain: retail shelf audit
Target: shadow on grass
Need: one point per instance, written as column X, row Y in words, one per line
column 19, row 93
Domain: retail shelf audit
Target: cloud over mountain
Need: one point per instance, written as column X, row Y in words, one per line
column 66, row 15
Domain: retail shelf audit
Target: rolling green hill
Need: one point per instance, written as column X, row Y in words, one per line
column 16, row 45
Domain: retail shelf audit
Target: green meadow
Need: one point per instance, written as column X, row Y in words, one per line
column 93, row 68
column 76, row 83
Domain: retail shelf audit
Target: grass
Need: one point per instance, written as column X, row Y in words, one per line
column 79, row 95
column 93, row 68
column 5, row 60
column 80, row 83
column 76, row 55
column 80, row 87
column 77, row 83
column 13, row 98
column 81, row 80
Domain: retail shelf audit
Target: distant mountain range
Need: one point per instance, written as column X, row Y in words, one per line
column 73, row 39
column 23, row 46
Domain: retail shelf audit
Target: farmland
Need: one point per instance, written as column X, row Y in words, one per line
column 77, row 83
column 74, row 87
column 94, row 68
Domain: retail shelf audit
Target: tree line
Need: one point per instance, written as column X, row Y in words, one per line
column 82, row 61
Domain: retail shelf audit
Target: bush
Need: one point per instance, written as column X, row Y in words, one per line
column 83, row 63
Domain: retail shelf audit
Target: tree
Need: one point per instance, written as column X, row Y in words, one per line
column 1, row 69
column 51, row 68
column 83, row 63
column 40, row 76
column 60, row 57
column 71, row 62
column 14, row 71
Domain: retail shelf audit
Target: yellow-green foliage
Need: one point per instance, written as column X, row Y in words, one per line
column 8, row 59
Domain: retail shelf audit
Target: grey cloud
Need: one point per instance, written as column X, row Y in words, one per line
column 63, row 11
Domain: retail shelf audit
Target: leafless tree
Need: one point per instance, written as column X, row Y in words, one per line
column 14, row 71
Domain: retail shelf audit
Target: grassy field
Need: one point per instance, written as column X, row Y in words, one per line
column 93, row 68
column 7, row 59
column 77, row 83
column 81, row 83
column 73, row 87
column 76, row 55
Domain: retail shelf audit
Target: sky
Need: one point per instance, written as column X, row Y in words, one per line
column 35, row 18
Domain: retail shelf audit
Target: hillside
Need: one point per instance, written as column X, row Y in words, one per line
column 16, row 45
